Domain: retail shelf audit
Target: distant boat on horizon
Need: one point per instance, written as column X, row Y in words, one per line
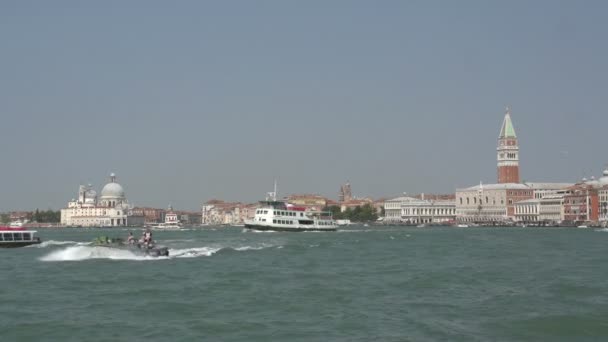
column 171, row 222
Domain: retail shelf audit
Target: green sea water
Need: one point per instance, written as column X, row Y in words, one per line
column 357, row 284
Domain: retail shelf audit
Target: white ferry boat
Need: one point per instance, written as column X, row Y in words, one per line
column 171, row 221
column 11, row 237
column 280, row 216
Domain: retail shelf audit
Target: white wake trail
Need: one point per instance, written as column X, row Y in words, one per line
column 77, row 253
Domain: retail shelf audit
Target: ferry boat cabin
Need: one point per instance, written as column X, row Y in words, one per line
column 18, row 238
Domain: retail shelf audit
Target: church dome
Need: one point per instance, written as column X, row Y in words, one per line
column 604, row 179
column 112, row 189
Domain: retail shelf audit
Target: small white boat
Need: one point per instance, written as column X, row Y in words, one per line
column 16, row 224
column 582, row 226
column 463, row 226
column 171, row 222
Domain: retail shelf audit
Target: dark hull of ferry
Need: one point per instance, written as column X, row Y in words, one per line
column 284, row 229
column 16, row 244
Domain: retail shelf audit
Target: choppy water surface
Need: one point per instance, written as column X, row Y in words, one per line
column 358, row 284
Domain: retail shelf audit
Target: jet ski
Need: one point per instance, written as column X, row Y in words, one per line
column 152, row 249
column 147, row 249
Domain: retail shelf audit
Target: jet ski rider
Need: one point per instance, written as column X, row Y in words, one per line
column 130, row 239
column 147, row 237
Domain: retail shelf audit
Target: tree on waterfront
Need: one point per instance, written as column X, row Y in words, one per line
column 5, row 218
column 335, row 211
column 48, row 216
column 364, row 213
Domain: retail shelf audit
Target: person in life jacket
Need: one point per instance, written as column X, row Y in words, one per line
column 148, row 238
column 130, row 239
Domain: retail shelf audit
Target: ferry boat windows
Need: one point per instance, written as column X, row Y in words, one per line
column 27, row 236
column 8, row 236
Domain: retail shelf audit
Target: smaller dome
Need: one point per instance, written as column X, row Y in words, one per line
column 605, row 173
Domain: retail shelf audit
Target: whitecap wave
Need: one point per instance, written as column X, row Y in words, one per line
column 245, row 230
column 179, row 240
column 192, row 252
column 250, row 248
column 602, row 230
column 50, row 243
column 77, row 253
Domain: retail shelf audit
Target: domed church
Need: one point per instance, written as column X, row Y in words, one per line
column 110, row 210
column 112, row 194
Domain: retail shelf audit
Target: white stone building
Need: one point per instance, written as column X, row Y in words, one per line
column 497, row 202
column 527, row 211
column 392, row 209
column 603, row 202
column 551, row 209
column 110, row 210
column 417, row 211
column 487, row 203
column 540, row 190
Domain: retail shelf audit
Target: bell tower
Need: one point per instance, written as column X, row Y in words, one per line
column 507, row 152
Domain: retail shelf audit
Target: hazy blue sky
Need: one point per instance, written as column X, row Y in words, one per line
column 192, row 100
